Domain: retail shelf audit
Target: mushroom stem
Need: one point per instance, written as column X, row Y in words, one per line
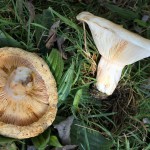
column 108, row 75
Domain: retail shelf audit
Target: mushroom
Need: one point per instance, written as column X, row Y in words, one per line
column 118, row 47
column 28, row 94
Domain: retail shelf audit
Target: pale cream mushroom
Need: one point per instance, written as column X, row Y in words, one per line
column 28, row 94
column 118, row 47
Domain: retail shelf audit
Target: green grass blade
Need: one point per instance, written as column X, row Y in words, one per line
column 124, row 13
column 64, row 19
column 39, row 26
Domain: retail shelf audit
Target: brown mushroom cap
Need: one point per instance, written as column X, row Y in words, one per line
column 28, row 94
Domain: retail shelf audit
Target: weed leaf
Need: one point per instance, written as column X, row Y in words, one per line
column 56, row 64
column 54, row 141
column 66, row 83
column 7, row 40
column 9, row 146
column 5, row 140
column 77, row 100
column 40, row 142
column 87, row 138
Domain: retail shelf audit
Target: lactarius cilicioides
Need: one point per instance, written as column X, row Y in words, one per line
column 118, row 47
column 28, row 94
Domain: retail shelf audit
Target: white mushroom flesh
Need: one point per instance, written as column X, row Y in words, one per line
column 118, row 48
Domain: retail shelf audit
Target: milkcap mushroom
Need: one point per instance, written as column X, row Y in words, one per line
column 118, row 47
column 28, row 94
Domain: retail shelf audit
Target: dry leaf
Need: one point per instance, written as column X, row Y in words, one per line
column 52, row 37
column 31, row 148
column 60, row 42
column 64, row 130
column 67, row 147
column 31, row 10
column 19, row 7
column 146, row 121
column 145, row 18
column 88, row 55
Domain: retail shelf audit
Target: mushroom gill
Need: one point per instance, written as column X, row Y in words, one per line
column 27, row 90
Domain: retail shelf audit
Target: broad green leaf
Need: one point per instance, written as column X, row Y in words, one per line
column 41, row 141
column 7, row 40
column 88, row 139
column 66, row 83
column 54, row 141
column 124, row 13
column 56, row 64
column 8, row 146
column 12, row 146
column 5, row 140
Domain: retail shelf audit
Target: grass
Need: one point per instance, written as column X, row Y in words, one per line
column 118, row 118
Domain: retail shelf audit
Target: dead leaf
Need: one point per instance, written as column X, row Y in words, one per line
column 31, row 148
column 19, row 7
column 52, row 37
column 67, row 147
column 31, row 9
column 63, row 129
column 60, row 42
column 146, row 121
column 87, row 53
column 145, row 18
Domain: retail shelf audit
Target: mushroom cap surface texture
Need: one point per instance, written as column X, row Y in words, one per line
column 28, row 94
column 114, row 42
